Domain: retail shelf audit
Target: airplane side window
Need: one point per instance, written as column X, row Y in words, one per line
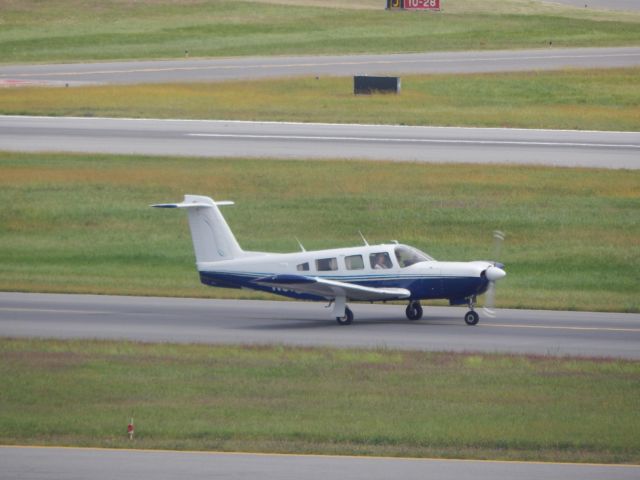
column 380, row 260
column 303, row 267
column 326, row 264
column 354, row 262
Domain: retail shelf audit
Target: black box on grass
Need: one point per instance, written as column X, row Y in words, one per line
column 366, row 85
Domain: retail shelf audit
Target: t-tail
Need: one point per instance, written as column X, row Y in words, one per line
column 212, row 238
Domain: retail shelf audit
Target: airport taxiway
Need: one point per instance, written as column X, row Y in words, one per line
column 184, row 320
column 236, row 139
column 33, row 463
column 246, row 68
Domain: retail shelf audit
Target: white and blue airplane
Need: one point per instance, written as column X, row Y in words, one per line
column 370, row 273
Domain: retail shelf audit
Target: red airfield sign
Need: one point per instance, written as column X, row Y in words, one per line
column 422, row 4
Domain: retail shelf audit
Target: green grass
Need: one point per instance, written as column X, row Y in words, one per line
column 575, row 99
column 81, row 223
column 63, row 30
column 312, row 400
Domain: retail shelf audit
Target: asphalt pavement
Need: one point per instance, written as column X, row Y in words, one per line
column 184, row 320
column 20, row 463
column 209, row 138
column 249, row 68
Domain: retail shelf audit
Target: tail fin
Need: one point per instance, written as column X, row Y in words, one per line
column 212, row 238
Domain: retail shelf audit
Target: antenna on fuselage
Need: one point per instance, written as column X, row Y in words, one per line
column 301, row 246
column 363, row 239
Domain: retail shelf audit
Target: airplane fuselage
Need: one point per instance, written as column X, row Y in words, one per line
column 425, row 279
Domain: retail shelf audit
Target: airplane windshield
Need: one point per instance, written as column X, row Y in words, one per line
column 408, row 256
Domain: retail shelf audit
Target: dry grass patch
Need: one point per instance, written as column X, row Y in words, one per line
column 575, row 99
column 60, row 30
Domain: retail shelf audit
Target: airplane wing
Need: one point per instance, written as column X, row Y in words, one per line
column 331, row 289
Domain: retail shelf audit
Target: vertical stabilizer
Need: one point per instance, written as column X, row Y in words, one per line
column 212, row 238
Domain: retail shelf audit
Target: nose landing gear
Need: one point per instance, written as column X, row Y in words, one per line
column 471, row 317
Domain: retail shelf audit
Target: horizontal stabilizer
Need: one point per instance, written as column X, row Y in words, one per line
column 190, row 204
column 212, row 238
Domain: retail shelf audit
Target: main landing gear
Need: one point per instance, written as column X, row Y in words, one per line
column 347, row 318
column 414, row 310
column 343, row 314
column 471, row 317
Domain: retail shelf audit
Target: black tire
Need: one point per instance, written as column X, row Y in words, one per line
column 471, row 318
column 347, row 319
column 414, row 311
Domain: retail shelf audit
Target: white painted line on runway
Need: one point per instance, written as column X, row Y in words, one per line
column 560, row 327
column 317, row 455
column 493, row 325
column 79, row 312
column 322, row 64
column 409, row 140
column 315, row 124
column 50, row 310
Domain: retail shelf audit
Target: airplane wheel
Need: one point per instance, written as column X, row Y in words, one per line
column 471, row 318
column 414, row 311
column 347, row 319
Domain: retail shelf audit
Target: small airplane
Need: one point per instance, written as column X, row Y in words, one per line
column 371, row 273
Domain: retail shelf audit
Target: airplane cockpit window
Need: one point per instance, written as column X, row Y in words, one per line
column 407, row 256
column 303, row 267
column 354, row 262
column 380, row 260
column 326, row 264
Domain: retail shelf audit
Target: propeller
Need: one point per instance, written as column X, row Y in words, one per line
column 493, row 274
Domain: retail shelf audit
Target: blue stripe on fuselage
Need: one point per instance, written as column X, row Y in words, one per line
column 420, row 287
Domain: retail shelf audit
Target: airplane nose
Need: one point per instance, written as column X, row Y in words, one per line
column 494, row 273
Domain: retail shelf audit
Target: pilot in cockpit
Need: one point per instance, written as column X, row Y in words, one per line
column 381, row 261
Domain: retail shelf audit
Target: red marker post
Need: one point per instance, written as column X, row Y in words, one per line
column 130, row 429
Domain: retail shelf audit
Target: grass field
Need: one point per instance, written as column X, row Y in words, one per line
column 279, row 399
column 76, row 30
column 577, row 99
column 81, row 223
